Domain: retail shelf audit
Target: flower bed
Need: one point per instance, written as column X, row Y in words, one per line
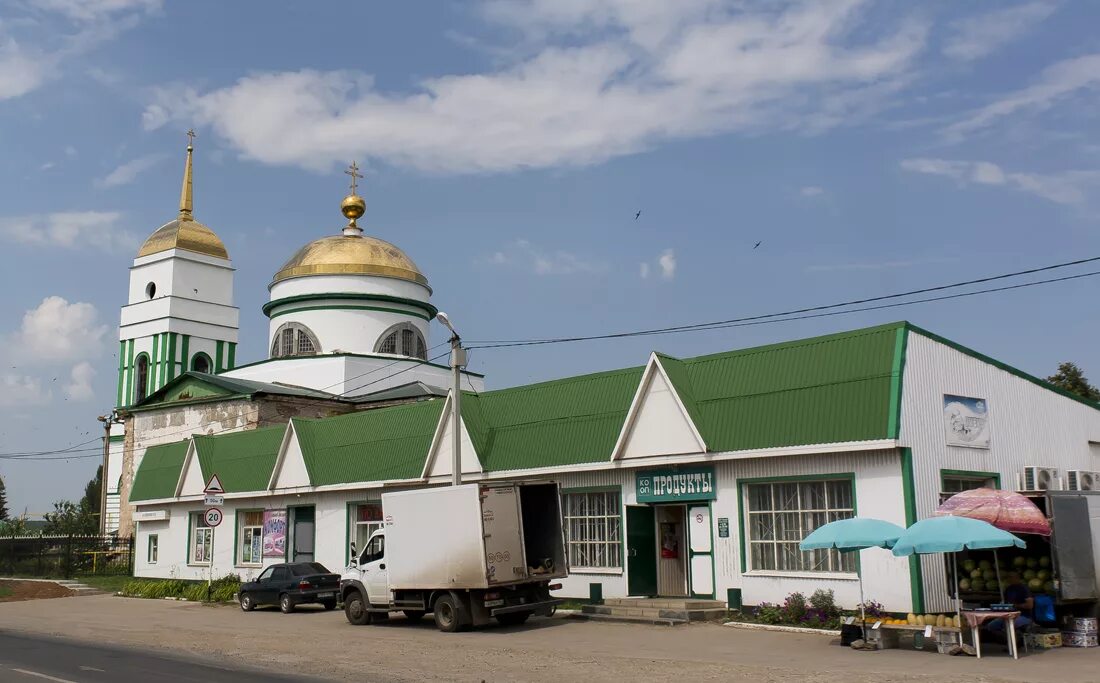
column 819, row 611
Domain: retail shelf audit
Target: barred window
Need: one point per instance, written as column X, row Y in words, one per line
column 294, row 339
column 781, row 514
column 593, row 529
column 403, row 339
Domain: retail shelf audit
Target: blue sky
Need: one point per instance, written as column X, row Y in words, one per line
column 871, row 146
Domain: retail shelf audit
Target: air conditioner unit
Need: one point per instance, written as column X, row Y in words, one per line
column 1083, row 480
column 1040, row 479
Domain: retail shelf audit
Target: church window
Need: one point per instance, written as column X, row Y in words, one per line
column 403, row 339
column 201, row 363
column 294, row 339
column 141, row 369
column 151, row 290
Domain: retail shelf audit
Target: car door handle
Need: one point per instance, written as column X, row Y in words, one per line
column 381, row 566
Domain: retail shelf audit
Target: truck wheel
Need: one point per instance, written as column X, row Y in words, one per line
column 246, row 602
column 286, row 604
column 414, row 614
column 355, row 609
column 513, row 618
column 449, row 614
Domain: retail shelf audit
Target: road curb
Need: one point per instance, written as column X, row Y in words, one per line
column 782, row 629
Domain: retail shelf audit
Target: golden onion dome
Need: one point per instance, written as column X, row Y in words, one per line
column 186, row 234
column 351, row 255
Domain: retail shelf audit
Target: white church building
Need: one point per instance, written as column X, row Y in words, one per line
column 680, row 477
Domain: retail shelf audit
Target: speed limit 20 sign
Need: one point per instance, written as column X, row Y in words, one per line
column 214, row 516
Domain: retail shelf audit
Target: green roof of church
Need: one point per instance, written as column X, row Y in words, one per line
column 159, row 472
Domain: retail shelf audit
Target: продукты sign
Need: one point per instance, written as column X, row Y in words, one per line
column 687, row 483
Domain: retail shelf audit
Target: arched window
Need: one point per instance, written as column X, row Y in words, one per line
column 201, row 363
column 294, row 339
column 141, row 369
column 403, row 339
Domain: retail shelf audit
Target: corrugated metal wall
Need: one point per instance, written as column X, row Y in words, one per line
column 1029, row 425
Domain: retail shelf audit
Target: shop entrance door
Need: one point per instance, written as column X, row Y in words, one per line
column 672, row 566
column 641, row 550
column 302, row 532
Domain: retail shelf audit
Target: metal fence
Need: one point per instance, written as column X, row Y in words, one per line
column 65, row 556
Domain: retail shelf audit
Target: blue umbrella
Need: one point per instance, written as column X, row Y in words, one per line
column 855, row 533
column 950, row 534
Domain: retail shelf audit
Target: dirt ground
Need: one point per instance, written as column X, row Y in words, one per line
column 557, row 649
column 33, row 590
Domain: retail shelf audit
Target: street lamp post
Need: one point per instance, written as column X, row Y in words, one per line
column 458, row 361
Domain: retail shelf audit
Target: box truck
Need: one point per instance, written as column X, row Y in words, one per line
column 467, row 554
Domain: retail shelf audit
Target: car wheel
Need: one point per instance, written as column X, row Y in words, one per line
column 414, row 614
column 246, row 602
column 286, row 604
column 329, row 605
column 449, row 614
column 513, row 618
column 355, row 609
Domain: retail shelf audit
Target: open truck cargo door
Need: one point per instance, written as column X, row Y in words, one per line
column 1075, row 520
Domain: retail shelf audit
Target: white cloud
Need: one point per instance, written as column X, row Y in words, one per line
column 129, row 171
column 524, row 255
column 70, row 151
column 79, row 387
column 70, row 230
column 22, row 391
column 58, row 331
column 1066, row 187
column 977, row 36
column 643, row 270
column 811, row 191
column 22, row 70
column 96, row 10
column 1056, row 82
column 46, row 166
column 625, row 77
column 667, row 263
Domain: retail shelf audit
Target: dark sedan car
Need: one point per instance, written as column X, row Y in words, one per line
column 289, row 585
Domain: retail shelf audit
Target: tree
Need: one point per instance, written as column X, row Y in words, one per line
column 92, row 490
column 3, row 501
column 1072, row 379
column 77, row 518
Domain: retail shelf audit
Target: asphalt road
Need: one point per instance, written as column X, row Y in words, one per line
column 36, row 659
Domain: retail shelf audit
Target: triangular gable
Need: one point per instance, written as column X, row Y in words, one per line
column 657, row 423
column 440, row 454
column 191, row 481
column 189, row 387
column 290, row 469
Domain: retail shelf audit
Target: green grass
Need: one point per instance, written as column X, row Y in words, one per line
column 5, row 591
column 111, row 584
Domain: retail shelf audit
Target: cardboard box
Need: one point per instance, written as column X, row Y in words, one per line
column 1078, row 639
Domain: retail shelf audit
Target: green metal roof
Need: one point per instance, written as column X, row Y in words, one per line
column 197, row 386
column 826, row 389
column 562, row 422
column 373, row 445
column 243, row 461
column 159, row 472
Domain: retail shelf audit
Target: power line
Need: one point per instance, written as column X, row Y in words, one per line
column 72, row 448
column 721, row 324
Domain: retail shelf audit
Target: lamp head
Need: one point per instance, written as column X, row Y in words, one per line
column 442, row 317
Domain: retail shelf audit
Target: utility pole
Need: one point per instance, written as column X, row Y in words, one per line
column 458, row 361
column 108, row 421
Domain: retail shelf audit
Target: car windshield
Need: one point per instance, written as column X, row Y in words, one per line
column 307, row 568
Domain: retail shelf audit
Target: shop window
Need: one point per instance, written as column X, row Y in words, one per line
column 154, row 548
column 403, row 339
column 593, row 529
column 781, row 514
column 366, row 518
column 294, row 339
column 250, row 532
column 202, row 540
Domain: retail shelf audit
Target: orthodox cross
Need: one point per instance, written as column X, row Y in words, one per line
column 353, row 171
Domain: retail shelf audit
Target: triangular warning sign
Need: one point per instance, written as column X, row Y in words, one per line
column 214, row 486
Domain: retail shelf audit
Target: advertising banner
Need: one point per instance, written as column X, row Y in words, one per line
column 669, row 486
column 966, row 421
column 274, row 533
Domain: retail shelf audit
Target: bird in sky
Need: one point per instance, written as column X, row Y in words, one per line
column 757, row 244
column 637, row 215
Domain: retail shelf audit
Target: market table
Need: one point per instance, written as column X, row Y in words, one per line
column 975, row 619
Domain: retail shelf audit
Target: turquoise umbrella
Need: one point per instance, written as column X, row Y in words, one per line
column 855, row 533
column 950, row 534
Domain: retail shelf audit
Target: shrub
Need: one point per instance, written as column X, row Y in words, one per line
column 222, row 590
column 794, row 608
column 767, row 613
column 824, row 602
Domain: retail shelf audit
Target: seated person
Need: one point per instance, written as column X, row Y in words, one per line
column 1016, row 593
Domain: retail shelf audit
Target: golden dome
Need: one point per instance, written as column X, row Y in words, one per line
column 186, row 234
column 351, row 255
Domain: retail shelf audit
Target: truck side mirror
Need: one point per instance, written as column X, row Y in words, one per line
column 354, row 555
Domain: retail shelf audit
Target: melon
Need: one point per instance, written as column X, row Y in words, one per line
column 985, row 564
column 976, row 574
column 1032, row 563
column 969, row 565
column 911, row 619
column 1035, row 584
column 1019, row 561
column 1048, row 587
column 939, row 621
column 977, row 585
column 1043, row 574
column 1044, row 561
column 957, row 621
column 964, row 585
column 1029, row 574
column 989, row 575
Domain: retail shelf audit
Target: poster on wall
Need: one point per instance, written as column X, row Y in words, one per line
column 274, row 533
column 966, row 421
